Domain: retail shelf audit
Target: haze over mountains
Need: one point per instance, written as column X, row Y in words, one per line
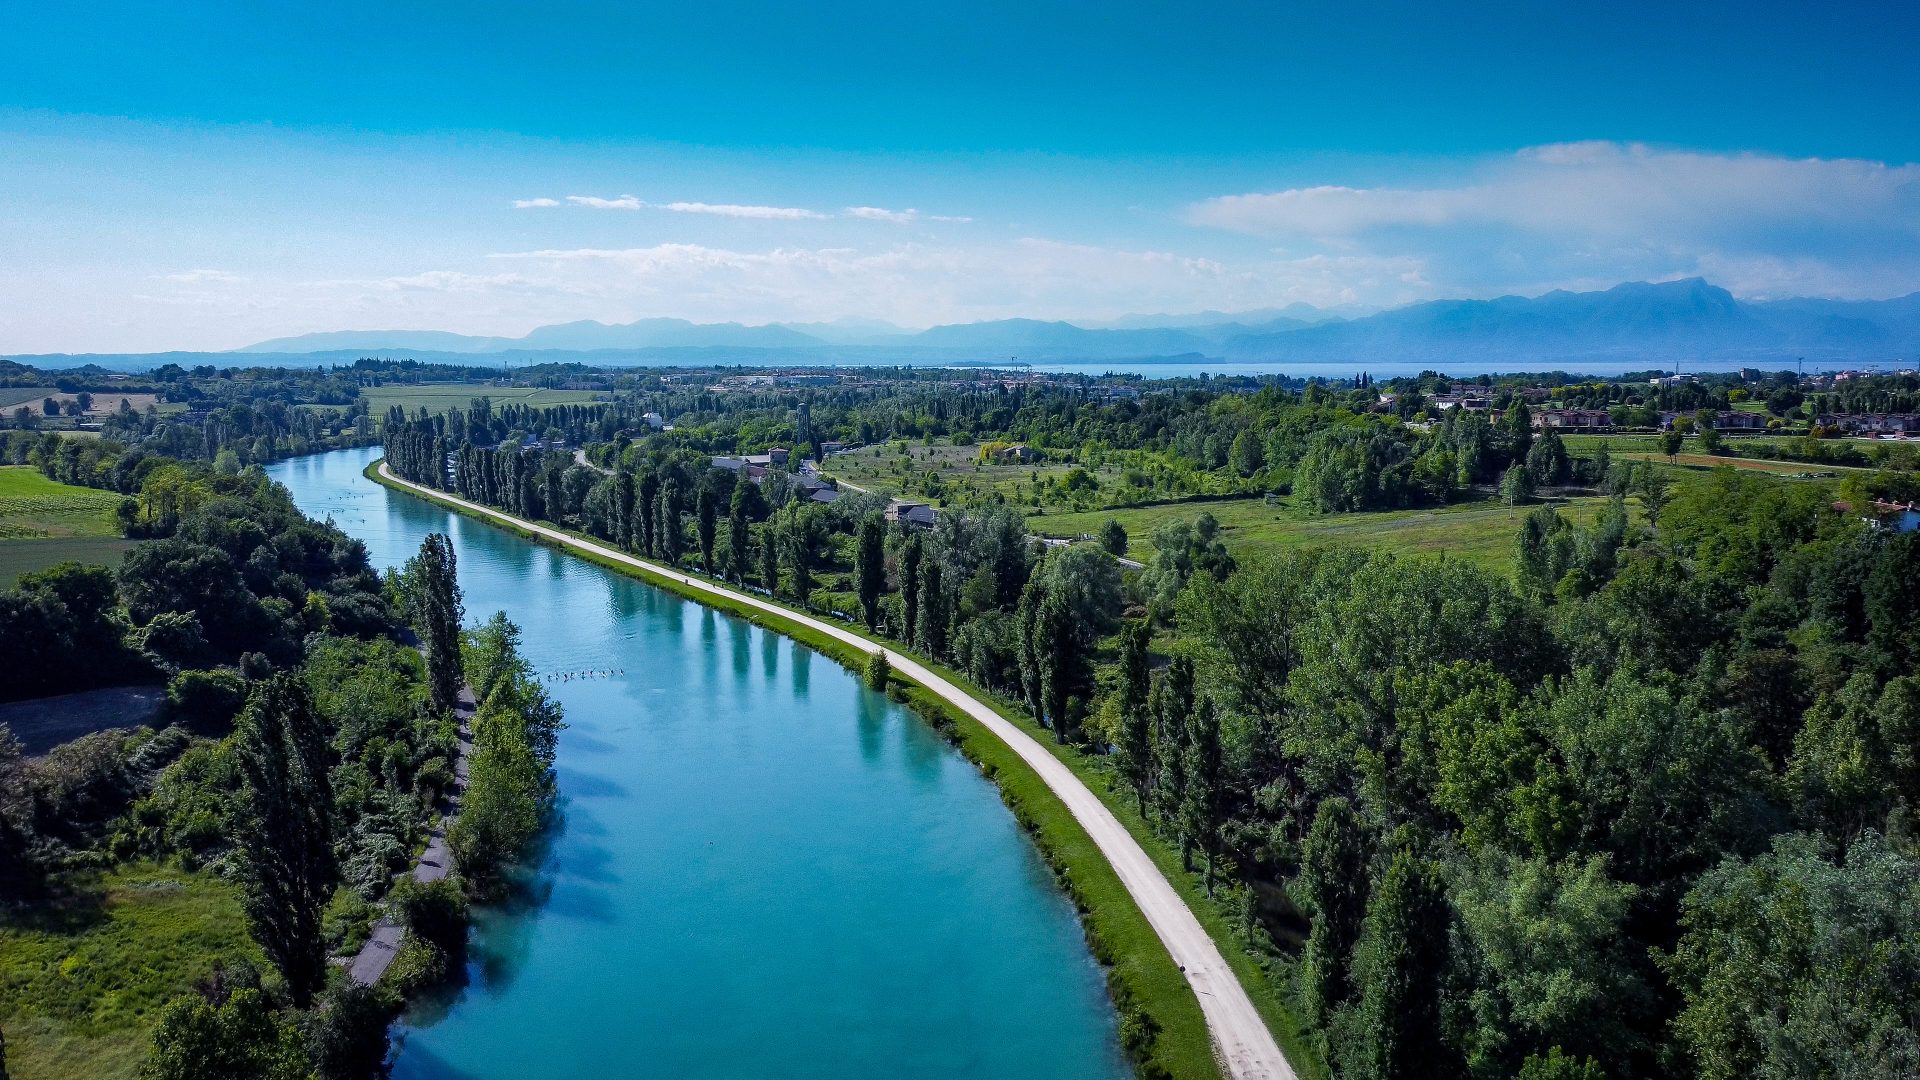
column 1668, row 321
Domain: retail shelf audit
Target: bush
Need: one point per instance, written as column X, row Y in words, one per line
column 877, row 670
column 206, row 701
column 435, row 911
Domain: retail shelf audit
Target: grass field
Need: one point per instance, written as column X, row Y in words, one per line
column 958, row 475
column 1479, row 532
column 34, row 507
column 43, row 523
column 12, row 397
column 82, row 984
column 445, row 397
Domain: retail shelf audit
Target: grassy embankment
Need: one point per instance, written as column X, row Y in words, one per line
column 83, row 981
column 43, row 523
column 1479, row 532
column 1140, row 972
column 445, row 397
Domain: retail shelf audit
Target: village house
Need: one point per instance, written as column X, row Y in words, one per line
column 1574, row 419
column 917, row 515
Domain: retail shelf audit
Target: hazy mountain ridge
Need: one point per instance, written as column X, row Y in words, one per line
column 1679, row 320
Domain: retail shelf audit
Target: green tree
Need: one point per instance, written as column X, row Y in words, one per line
column 911, row 554
column 1516, row 485
column 878, row 670
column 707, row 512
column 1332, row 886
column 1206, row 784
column 433, row 590
column 871, row 567
column 1798, row 963
column 236, row 1038
column 1172, row 698
column 671, row 529
column 932, row 634
column 1113, row 537
column 1395, row 1029
column 1672, row 439
column 1134, row 727
column 284, row 831
column 770, row 557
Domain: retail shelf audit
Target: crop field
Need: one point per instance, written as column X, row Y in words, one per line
column 445, row 397
column 12, row 397
column 1479, row 532
column 34, row 507
column 81, row 984
column 43, row 524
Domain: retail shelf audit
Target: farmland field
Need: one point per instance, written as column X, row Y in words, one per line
column 43, row 523
column 34, row 507
column 1479, row 532
column 12, row 397
column 445, row 397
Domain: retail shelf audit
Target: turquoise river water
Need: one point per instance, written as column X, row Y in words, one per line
column 762, row 869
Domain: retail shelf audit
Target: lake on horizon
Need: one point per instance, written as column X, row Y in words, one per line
column 762, row 868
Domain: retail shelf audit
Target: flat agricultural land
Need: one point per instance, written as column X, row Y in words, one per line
column 12, row 397
column 1479, row 532
column 82, row 981
column 105, row 403
column 445, row 397
column 43, row 523
column 34, row 507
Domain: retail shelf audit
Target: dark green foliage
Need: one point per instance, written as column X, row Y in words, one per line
column 346, row 1034
column 1332, row 886
column 238, row 1037
column 1134, row 725
column 1802, row 963
column 1395, row 1027
column 871, row 566
column 432, row 588
column 1113, row 537
column 206, row 701
column 285, row 831
column 877, row 671
column 510, row 786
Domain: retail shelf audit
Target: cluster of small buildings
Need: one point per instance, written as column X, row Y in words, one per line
column 1898, row 424
column 755, row 467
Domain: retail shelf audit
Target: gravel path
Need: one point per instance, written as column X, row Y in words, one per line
column 434, row 863
column 1240, row 1035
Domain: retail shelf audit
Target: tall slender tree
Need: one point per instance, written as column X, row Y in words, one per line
column 739, row 536
column 1333, row 886
column 1395, row 1029
column 707, row 510
column 434, row 595
column 668, row 521
column 871, row 564
column 1134, row 723
column 770, row 557
column 932, row 634
column 285, row 831
column 1173, row 703
column 910, row 558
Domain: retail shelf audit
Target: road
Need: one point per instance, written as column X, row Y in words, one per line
column 1244, row 1044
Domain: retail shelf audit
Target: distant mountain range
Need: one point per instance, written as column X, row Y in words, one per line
column 1669, row 321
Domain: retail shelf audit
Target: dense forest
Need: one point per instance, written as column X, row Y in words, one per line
column 1640, row 808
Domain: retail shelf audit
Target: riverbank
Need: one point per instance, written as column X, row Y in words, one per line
column 434, row 863
column 1135, row 917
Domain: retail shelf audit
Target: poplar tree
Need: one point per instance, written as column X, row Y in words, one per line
column 284, row 831
column 770, row 557
column 739, row 538
column 707, row 507
column 933, row 612
column 871, row 563
column 1135, row 727
column 667, row 521
column 1173, row 703
column 434, row 592
column 1399, row 968
column 1333, row 887
column 910, row 555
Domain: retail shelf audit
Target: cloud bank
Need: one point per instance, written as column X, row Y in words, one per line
column 1605, row 212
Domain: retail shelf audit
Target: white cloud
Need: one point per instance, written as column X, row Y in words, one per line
column 771, row 213
column 875, row 213
column 624, row 202
column 530, row 204
column 956, row 218
column 203, row 277
column 1596, row 213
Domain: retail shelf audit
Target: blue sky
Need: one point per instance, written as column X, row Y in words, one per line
column 206, row 175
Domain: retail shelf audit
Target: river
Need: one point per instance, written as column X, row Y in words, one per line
column 762, row 868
